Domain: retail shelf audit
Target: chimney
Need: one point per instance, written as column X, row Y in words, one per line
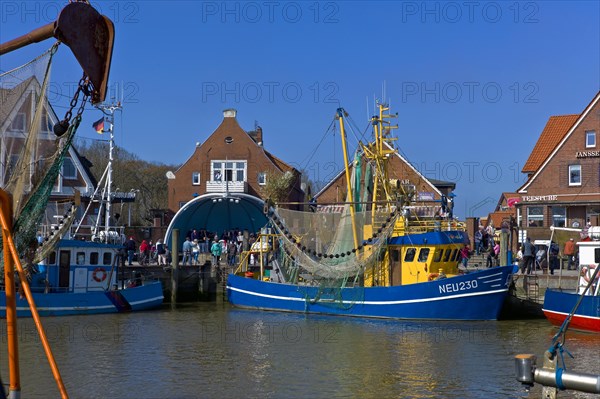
column 259, row 136
column 229, row 113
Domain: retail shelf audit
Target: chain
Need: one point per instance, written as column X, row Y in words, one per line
column 83, row 86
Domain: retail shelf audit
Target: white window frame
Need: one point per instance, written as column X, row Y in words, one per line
column 262, row 178
column 221, row 167
column 590, row 139
column 20, row 121
column 69, row 176
column 535, row 217
column 195, row 178
column 573, row 168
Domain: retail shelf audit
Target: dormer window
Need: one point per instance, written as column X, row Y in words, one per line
column 590, row 139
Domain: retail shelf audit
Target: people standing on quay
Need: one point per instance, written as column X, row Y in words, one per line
column 187, row 251
column 569, row 252
column 465, row 253
column 216, row 251
column 528, row 253
column 130, row 247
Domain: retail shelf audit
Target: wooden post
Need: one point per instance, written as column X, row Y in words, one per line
column 11, row 303
column 175, row 265
column 503, row 248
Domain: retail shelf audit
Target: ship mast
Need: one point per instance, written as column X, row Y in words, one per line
column 340, row 116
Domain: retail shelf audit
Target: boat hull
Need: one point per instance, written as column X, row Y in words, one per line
column 147, row 296
column 558, row 305
column 473, row 296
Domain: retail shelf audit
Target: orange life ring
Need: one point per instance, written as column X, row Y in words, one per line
column 433, row 276
column 99, row 274
column 587, row 272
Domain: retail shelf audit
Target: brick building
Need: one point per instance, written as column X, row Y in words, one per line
column 563, row 185
column 230, row 160
column 220, row 187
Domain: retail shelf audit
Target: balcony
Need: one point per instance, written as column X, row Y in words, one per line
column 225, row 186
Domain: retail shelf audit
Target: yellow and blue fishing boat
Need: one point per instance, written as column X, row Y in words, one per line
column 368, row 256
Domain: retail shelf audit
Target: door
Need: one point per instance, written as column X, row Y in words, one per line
column 64, row 268
column 396, row 267
column 80, row 278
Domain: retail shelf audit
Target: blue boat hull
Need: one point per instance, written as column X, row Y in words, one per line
column 558, row 305
column 473, row 296
column 143, row 297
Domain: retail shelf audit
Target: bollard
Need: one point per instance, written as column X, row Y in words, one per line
column 551, row 378
column 175, row 267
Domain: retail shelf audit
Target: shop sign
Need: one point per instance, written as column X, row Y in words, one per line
column 587, row 154
column 539, row 198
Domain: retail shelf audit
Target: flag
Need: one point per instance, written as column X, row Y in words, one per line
column 99, row 125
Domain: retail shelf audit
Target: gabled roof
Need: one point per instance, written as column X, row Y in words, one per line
column 506, row 196
column 556, row 128
column 404, row 160
column 571, row 129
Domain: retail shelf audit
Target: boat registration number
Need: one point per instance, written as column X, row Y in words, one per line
column 456, row 287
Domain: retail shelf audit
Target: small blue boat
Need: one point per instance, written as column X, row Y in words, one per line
column 583, row 305
column 82, row 277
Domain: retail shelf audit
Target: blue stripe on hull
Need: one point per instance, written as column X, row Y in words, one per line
column 147, row 296
column 431, row 238
column 563, row 302
column 475, row 296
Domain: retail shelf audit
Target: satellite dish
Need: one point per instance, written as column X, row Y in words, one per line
column 170, row 175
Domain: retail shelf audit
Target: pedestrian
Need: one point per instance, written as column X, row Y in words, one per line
column 554, row 250
column 144, row 252
column 490, row 257
column 187, row 251
column 465, row 253
column 195, row 251
column 231, row 253
column 130, row 247
column 161, row 252
column 569, row 252
column 528, row 256
column 478, row 242
column 216, row 251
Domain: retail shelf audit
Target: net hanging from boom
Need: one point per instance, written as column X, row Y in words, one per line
column 32, row 156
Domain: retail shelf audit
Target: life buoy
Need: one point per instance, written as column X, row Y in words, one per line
column 587, row 272
column 433, row 276
column 99, row 274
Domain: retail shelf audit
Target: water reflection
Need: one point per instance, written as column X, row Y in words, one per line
column 211, row 350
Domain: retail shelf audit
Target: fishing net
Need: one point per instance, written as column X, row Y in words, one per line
column 31, row 155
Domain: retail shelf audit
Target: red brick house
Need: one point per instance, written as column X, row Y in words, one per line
column 230, row 160
column 563, row 185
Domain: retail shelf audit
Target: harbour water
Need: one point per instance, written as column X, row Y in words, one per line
column 210, row 350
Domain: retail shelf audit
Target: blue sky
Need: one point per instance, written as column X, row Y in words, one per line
column 473, row 82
